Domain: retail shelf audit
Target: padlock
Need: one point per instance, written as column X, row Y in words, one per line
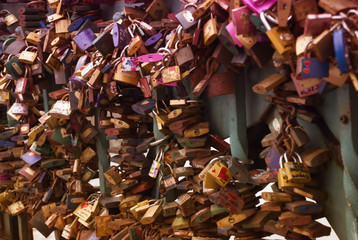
column 282, row 177
column 135, row 42
column 297, row 171
column 281, row 38
column 186, row 18
column 120, row 36
column 313, row 68
column 15, row 68
column 104, row 43
column 61, row 26
column 156, row 164
column 34, row 37
column 210, row 31
column 259, row 6
column 112, row 175
column 202, row 7
column 152, row 213
column 171, row 74
column 53, row 62
column 157, row 9
column 184, row 55
column 125, row 77
column 84, row 39
column 341, row 51
column 241, row 20
column 10, row 18
column 248, row 40
column 169, row 182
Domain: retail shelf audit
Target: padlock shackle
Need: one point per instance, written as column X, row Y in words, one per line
column 264, row 21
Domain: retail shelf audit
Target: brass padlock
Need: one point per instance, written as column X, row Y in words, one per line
column 297, row 171
column 29, row 55
column 282, row 178
column 210, row 31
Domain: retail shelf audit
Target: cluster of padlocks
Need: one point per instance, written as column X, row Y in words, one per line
column 72, row 82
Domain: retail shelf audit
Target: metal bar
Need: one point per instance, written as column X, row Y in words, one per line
column 102, row 146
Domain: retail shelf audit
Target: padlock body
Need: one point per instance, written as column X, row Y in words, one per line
column 282, row 39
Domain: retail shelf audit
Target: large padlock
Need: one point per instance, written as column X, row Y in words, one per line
column 281, row 38
column 184, row 55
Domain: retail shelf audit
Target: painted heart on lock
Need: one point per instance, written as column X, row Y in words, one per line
column 313, row 68
column 223, row 174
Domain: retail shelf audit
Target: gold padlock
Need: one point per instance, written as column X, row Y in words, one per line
column 282, row 178
column 34, row 37
column 29, row 55
column 210, row 31
column 53, row 61
column 126, row 77
column 10, row 19
column 135, row 42
column 297, row 171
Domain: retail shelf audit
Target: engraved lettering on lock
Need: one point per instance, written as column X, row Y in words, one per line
column 17, row 68
column 188, row 16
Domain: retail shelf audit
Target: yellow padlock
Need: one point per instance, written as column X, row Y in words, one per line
column 282, row 178
column 297, row 171
column 281, row 38
column 34, row 37
column 10, row 19
column 29, row 55
column 221, row 173
column 210, row 31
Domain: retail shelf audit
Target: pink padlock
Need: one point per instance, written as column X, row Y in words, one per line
column 153, row 57
column 259, row 6
column 231, row 29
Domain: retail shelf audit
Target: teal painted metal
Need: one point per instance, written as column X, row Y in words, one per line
column 102, row 146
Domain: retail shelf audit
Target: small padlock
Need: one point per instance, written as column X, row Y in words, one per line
column 84, row 39
column 210, row 31
column 120, row 36
column 282, row 177
column 169, row 182
column 53, row 62
column 186, row 18
column 281, row 38
column 156, row 164
column 34, row 37
column 312, row 67
column 113, row 176
column 10, row 18
column 297, row 171
column 135, row 42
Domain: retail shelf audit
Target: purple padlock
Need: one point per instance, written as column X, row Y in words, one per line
column 120, row 36
column 84, row 39
column 273, row 159
column 153, row 39
column 259, row 6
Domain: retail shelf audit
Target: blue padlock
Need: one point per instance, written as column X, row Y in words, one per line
column 313, row 68
column 77, row 23
column 341, row 51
